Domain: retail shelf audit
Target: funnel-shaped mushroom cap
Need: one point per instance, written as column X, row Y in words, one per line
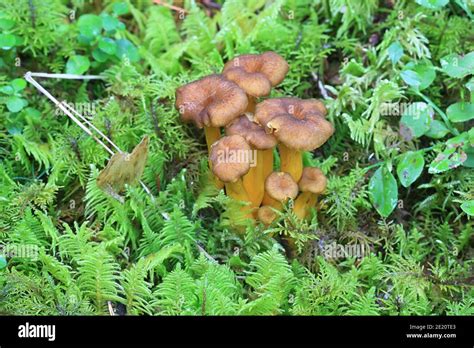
column 230, row 158
column 253, row 133
column 281, row 186
column 297, row 123
column 256, row 73
column 266, row 214
column 212, row 101
column 313, row 180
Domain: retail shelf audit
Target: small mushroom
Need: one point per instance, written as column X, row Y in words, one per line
column 256, row 74
column 299, row 125
column 279, row 187
column 229, row 163
column 210, row 103
column 266, row 214
column 312, row 184
column 262, row 166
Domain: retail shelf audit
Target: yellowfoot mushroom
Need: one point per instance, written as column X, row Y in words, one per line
column 256, row 74
column 312, row 184
column 211, row 102
column 266, row 214
column 279, row 187
column 230, row 163
column 299, row 125
column 262, row 144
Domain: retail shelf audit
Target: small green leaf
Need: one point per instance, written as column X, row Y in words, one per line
column 468, row 207
column 425, row 73
column 458, row 66
column 7, row 90
column 411, row 78
column 109, row 23
column 127, row 50
column 450, row 158
column 85, row 40
column 459, row 140
column 437, row 130
column 100, row 55
column 77, row 65
column 7, row 41
column 120, row 8
column 108, row 45
column 15, row 104
column 410, row 167
column 469, row 162
column 383, row 191
column 18, row 84
column 395, row 52
column 90, row 25
column 460, row 112
column 432, row 4
column 417, row 118
column 6, row 24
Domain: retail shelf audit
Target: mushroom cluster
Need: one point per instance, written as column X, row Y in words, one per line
column 242, row 132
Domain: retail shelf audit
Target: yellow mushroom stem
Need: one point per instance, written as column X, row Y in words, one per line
column 254, row 180
column 291, row 161
column 268, row 200
column 303, row 204
column 237, row 191
column 267, row 163
column 252, row 104
column 213, row 134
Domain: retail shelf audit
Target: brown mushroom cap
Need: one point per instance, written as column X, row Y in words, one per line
column 253, row 133
column 313, row 180
column 256, row 73
column 211, row 101
column 297, row 123
column 266, row 214
column 281, row 186
column 230, row 158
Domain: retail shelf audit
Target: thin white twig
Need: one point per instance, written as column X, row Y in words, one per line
column 92, row 126
column 30, row 79
column 67, row 76
column 68, row 110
